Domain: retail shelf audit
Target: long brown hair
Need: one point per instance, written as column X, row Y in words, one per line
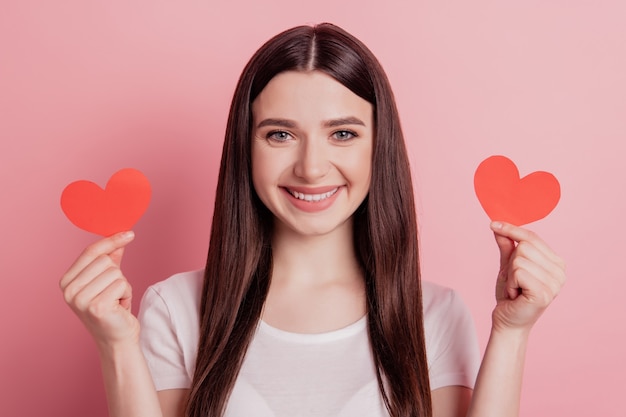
column 239, row 262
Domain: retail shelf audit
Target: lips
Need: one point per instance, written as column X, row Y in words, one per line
column 312, row 197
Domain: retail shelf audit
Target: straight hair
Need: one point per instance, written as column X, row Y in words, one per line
column 239, row 262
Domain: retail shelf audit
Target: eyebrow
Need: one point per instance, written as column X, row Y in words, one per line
column 342, row 121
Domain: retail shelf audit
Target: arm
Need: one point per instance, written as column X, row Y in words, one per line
column 173, row 402
column 530, row 277
column 452, row 401
column 128, row 384
column 95, row 288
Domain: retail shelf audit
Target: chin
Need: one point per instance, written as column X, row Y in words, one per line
column 319, row 229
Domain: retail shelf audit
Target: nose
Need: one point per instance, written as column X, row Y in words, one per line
column 313, row 162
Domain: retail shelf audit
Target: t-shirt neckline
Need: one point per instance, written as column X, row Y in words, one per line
column 331, row 336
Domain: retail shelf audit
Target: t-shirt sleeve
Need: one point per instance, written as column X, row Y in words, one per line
column 160, row 344
column 451, row 342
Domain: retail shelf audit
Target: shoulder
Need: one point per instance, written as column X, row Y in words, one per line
column 451, row 344
column 183, row 284
column 437, row 298
column 177, row 296
column 169, row 317
column 445, row 312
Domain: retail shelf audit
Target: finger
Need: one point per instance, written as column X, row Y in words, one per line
column 97, row 267
column 117, row 255
column 93, row 251
column 520, row 234
column 521, row 266
column 127, row 295
column 95, row 287
column 506, row 247
column 536, row 275
column 551, row 273
column 527, row 306
column 534, row 291
column 109, row 299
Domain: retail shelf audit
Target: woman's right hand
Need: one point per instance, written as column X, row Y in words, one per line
column 96, row 289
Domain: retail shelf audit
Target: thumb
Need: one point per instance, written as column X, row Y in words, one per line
column 117, row 255
column 122, row 240
column 505, row 244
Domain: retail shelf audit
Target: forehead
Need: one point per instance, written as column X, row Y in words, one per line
column 311, row 95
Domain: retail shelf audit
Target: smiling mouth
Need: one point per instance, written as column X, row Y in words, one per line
column 312, row 197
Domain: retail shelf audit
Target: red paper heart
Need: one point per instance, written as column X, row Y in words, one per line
column 105, row 212
column 506, row 197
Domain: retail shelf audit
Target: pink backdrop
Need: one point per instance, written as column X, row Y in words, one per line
column 88, row 87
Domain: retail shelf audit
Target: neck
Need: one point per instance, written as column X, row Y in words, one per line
column 317, row 284
column 315, row 259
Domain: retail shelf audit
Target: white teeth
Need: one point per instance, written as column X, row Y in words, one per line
column 313, row 197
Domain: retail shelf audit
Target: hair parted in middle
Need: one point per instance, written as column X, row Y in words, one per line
column 239, row 262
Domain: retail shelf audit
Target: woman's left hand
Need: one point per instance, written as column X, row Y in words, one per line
column 531, row 275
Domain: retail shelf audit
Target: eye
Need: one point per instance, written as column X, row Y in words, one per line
column 278, row 135
column 344, row 135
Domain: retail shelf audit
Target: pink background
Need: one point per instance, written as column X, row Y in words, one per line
column 87, row 88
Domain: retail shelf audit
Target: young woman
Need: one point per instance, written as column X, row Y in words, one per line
column 311, row 302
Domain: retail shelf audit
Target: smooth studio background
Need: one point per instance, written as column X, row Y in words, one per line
column 87, row 88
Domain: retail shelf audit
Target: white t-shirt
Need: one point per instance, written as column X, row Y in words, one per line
column 289, row 374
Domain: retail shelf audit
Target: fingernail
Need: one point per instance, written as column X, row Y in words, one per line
column 496, row 225
column 128, row 235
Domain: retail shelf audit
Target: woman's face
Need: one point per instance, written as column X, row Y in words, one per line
column 312, row 142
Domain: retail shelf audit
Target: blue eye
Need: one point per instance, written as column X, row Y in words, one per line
column 344, row 135
column 278, row 135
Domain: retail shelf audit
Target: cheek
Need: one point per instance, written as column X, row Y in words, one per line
column 264, row 171
column 259, row 183
column 359, row 164
column 257, row 174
